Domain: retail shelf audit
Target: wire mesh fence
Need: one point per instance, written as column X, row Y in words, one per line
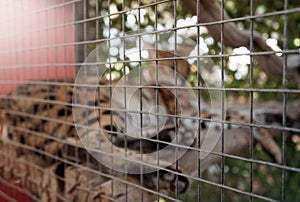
column 189, row 100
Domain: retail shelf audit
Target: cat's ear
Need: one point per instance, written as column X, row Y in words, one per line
column 170, row 60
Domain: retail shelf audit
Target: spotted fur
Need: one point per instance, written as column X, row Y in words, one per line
column 41, row 117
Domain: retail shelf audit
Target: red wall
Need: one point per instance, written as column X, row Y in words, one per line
column 36, row 41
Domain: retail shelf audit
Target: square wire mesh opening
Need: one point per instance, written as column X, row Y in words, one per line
column 149, row 100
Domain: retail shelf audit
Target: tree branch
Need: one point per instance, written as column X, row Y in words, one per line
column 210, row 12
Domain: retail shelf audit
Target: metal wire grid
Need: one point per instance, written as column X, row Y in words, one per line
column 84, row 22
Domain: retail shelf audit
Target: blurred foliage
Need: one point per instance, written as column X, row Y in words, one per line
column 122, row 18
column 268, row 26
column 266, row 179
column 144, row 14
